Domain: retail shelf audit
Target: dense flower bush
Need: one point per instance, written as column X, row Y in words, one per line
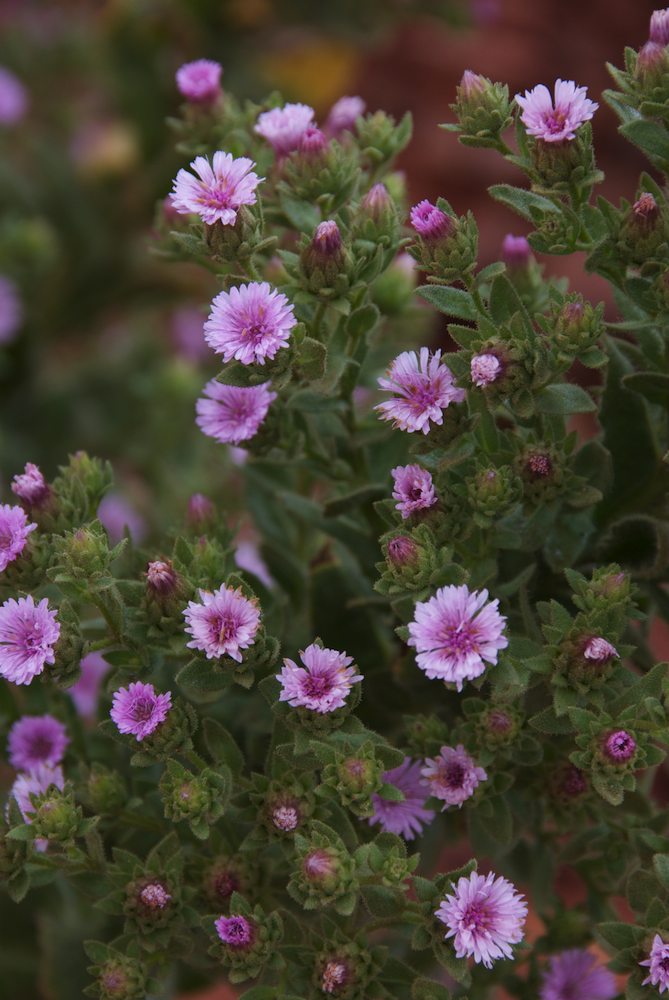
column 222, row 760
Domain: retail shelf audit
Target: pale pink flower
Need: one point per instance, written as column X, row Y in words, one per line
column 424, row 388
column 453, row 776
column 219, row 189
column 485, row 916
column 250, row 323
column 284, row 127
column 555, row 121
column 222, row 623
column 322, row 684
column 414, row 489
column 231, row 413
column 657, row 964
column 28, row 634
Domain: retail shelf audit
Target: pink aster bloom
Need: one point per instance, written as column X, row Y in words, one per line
column 659, row 27
column 284, row 127
column 249, row 323
column 248, row 557
column 424, row 388
column 322, row 684
column 485, row 368
column 30, row 486
column 28, row 634
column 555, row 122
column 14, row 531
column 36, row 739
column 414, row 489
column 138, row 710
column 11, row 310
column 35, row 782
column 200, row 81
column 430, row 222
column 453, row 776
column 485, row 916
column 116, row 514
column 575, row 974
column 231, row 413
column 220, row 188
column 13, row 98
column 658, row 965
column 235, row 931
column 455, row 633
column 599, row 650
column 223, row 624
column 186, row 328
column 86, row 691
column 344, row 114
column 406, row 818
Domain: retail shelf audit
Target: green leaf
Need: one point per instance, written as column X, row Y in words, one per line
column 504, row 301
column 609, row 788
column 654, row 386
column 301, row 214
column 356, row 498
column 362, row 320
column 525, row 203
column 651, row 137
column 661, row 866
column 452, row 301
column 428, row 989
column 222, row 746
column 619, row 935
column 563, row 399
column 200, row 681
column 312, row 359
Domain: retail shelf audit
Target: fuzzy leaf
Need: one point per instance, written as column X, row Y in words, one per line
column 452, row 301
column 563, row 399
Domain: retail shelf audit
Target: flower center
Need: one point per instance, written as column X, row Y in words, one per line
column 315, row 685
column 227, row 627
column 142, row 710
column 6, row 538
column 475, row 918
column 555, row 121
column 458, row 641
column 41, row 747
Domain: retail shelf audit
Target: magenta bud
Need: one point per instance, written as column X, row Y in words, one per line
column 327, row 239
column 430, row 222
column 376, row 202
column 235, row 931
column 200, row 81
column 161, row 577
column 312, row 142
column 402, row 551
column 472, row 85
column 620, row 746
column 539, row 465
column 154, row 896
column 645, row 212
column 336, row 975
column 516, row 251
column 599, row 650
column 319, row 865
column 659, row 27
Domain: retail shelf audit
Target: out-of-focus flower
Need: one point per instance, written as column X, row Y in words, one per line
column 13, row 98
column 408, row 817
column 116, row 514
column 284, row 127
column 575, row 974
column 28, row 634
column 11, row 310
column 232, row 414
column 344, row 114
column 36, row 739
column 658, row 965
column 200, row 81
column 85, row 692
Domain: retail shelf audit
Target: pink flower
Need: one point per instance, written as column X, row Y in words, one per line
column 28, row 633
column 322, row 684
column 485, row 368
column 424, row 389
column 485, row 916
column 11, row 309
column 138, row 710
column 559, row 122
column 658, row 965
column 599, row 650
column 13, row 98
column 453, row 776
column 116, row 514
column 430, row 222
column 14, row 531
column 85, row 692
column 516, row 251
column 248, row 557
column 230, row 413
column 186, row 328
column 620, row 746
column 249, row 323
column 343, row 115
column 33, row 783
column 200, row 81
column 284, row 127
column 576, row 975
column 235, row 931
column 414, row 489
column 223, row 624
column 659, row 27
column 456, row 633
column 313, row 143
column 30, row 486
column 408, row 817
column 219, row 189
column 36, row 739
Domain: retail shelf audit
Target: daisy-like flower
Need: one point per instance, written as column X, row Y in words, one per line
column 485, row 368
column 231, row 413
column 485, row 916
column 414, row 489
column 657, row 964
column 575, row 974
column 456, row 633
column 659, row 27
column 235, row 931
column 223, row 623
column 322, row 684
column 30, row 486
column 13, row 98
column 36, row 739
column 219, row 189
column 344, row 114
column 86, row 691
column 116, row 514
column 423, row 388
column 35, row 782
column 249, row 323
column 28, row 634
column 138, row 710
column 429, row 221
column 453, row 776
column 284, row 127
column 200, row 81
column 408, row 817
column 555, row 121
column 14, row 531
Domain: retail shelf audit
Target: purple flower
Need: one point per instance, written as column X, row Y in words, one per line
column 13, row 98
column 30, row 486
column 28, row 633
column 414, row 489
column 453, row 776
column 11, row 310
column 659, row 27
column 424, row 389
column 186, row 328
column 200, row 81
column 456, row 633
column 658, row 965
column 620, row 746
column 116, row 514
column 344, row 114
column 322, row 684
column 408, row 817
column 313, row 143
column 247, row 556
column 201, row 511
column 86, row 691
column 430, row 222
column 284, row 127
column 36, row 739
column 485, row 368
column 235, row 931
column 231, row 413
column 154, row 896
column 576, row 975
column 35, row 782
column 599, row 650
column 559, row 122
column 335, row 975
column 485, row 916
column 516, row 251
column 14, row 531
column 220, row 188
column 138, row 710
column 223, row 624
column 249, row 323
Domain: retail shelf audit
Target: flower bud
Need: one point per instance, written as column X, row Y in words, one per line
column 643, row 231
column 402, row 551
column 492, row 492
column 485, row 368
column 57, row 817
column 658, row 31
column 344, row 114
column 150, row 902
column 516, row 252
column 431, row 224
column 325, row 872
column 652, row 63
column 334, row 977
column 569, row 784
column 599, row 650
column 482, row 107
column 120, row 978
column 324, row 260
column 105, row 790
column 198, row 798
column 447, row 245
column 619, row 747
column 201, row 513
column 31, row 487
column 166, row 591
column 225, row 876
column 236, row 931
column 313, row 144
column 541, row 474
column 200, row 81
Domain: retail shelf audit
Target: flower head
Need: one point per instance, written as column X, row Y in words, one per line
column 657, row 964
column 283, row 127
column 86, row 691
column 599, row 650
column 516, row 251
column 313, row 143
column 161, row 577
column 36, row 739
column 31, row 486
column 556, row 121
column 408, row 817
column 455, row 633
column 11, row 310
column 424, row 388
column 28, row 634
column 453, row 776
column 200, row 81
column 223, row 623
column 14, row 531
column 485, row 368
column 219, row 189
column 402, row 551
column 335, row 975
column 414, row 489
column 231, row 413
column 200, row 511
column 322, row 684
column 138, row 710
column 154, row 896
column 13, row 98
column 117, row 515
column 343, row 115
column 619, row 746
column 35, row 782
column 485, row 916
column 249, row 323
column 430, row 222
column 235, row 931
column 576, row 975
column 659, row 27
